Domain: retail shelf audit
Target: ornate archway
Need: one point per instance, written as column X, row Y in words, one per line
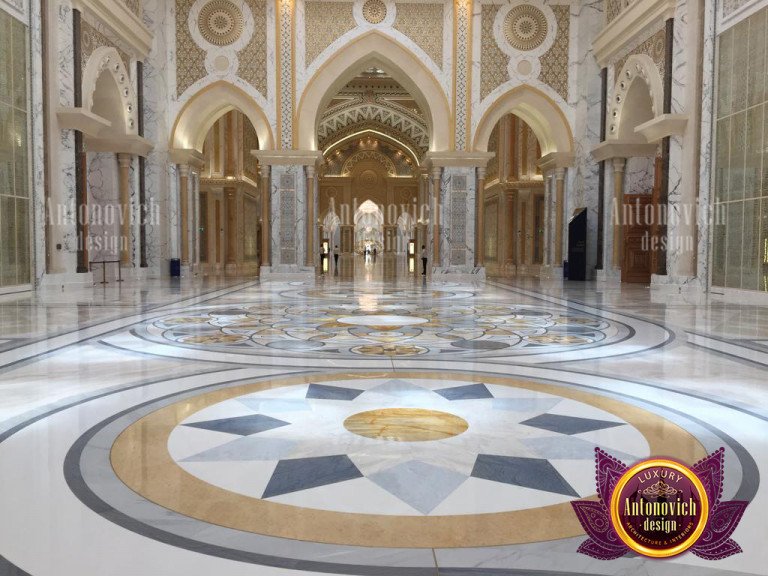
column 208, row 105
column 637, row 97
column 538, row 110
column 373, row 50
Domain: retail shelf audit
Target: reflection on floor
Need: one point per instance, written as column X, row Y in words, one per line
column 372, row 422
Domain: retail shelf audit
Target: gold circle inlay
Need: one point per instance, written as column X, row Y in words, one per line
column 525, row 27
column 374, row 11
column 406, row 424
column 220, row 22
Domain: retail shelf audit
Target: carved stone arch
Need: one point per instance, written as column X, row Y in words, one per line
column 352, row 161
column 374, row 49
column 117, row 94
column 538, row 110
column 208, row 105
column 638, row 84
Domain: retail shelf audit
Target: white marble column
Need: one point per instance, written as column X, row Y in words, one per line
column 559, row 215
column 124, row 181
column 480, row 236
column 616, row 211
column 436, row 216
column 265, row 215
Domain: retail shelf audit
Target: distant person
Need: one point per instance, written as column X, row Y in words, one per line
column 423, row 260
column 336, row 256
column 374, row 253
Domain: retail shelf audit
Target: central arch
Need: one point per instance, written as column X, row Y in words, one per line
column 538, row 110
column 373, row 49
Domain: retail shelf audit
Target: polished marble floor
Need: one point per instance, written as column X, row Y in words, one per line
column 368, row 423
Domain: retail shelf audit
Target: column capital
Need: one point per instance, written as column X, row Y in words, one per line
column 618, row 164
column 184, row 170
column 436, row 172
column 560, row 174
column 124, row 160
column 310, row 172
column 481, row 172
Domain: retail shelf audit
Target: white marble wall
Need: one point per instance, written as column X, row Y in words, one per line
column 457, row 220
column 104, row 231
column 639, row 174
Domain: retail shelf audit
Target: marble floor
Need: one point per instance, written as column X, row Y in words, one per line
column 370, row 422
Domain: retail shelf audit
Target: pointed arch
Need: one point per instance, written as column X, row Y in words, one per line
column 208, row 105
column 639, row 83
column 373, row 49
column 107, row 90
column 538, row 110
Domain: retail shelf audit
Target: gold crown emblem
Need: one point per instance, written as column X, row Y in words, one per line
column 660, row 489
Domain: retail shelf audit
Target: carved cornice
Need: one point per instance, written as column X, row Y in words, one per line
column 129, row 144
column 460, row 159
column 622, row 149
column 555, row 160
column 127, row 25
column 288, row 157
column 632, row 21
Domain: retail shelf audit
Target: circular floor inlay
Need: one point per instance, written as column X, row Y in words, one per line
column 277, row 459
column 382, row 320
column 406, row 424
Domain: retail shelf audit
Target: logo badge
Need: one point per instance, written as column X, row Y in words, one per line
column 659, row 508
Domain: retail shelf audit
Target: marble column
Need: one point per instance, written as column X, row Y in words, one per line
column 504, row 227
column 559, row 214
column 530, row 226
column 436, row 233
column 265, row 215
column 549, row 256
column 230, row 197
column 310, row 256
column 421, row 235
column 184, row 211
column 124, row 180
column 480, row 236
column 618, row 201
column 196, row 222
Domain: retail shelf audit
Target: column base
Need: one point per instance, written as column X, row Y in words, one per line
column 551, row 273
column 287, row 273
column 608, row 275
column 682, row 289
column 63, row 279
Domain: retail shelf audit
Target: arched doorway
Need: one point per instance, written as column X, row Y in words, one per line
column 524, row 204
column 369, row 228
column 222, row 201
column 374, row 136
column 227, row 208
column 514, row 202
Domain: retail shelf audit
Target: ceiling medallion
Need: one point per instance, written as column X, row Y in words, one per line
column 220, row 22
column 374, row 11
column 525, row 27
